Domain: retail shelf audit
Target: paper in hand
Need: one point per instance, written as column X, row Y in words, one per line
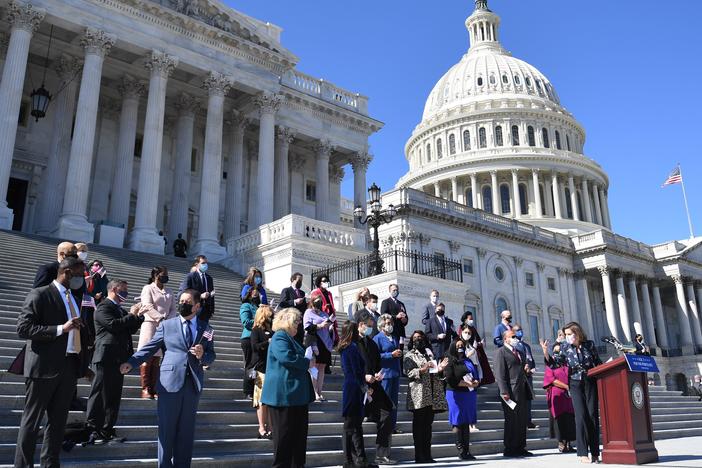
column 434, row 367
column 511, row 403
column 309, row 354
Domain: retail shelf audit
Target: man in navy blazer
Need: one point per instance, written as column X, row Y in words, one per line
column 440, row 332
column 188, row 344
column 200, row 281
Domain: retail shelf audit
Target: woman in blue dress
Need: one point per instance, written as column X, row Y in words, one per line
column 462, row 378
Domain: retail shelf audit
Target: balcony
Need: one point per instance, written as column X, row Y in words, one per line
column 325, row 91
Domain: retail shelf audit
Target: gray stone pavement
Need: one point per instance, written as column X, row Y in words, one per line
column 679, row 453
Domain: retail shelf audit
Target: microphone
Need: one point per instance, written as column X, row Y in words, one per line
column 618, row 345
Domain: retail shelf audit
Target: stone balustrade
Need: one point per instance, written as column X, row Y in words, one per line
column 324, row 90
column 606, row 238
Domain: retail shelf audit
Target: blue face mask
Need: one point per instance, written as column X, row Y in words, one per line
column 519, row 334
column 203, row 267
column 368, row 331
column 258, row 280
column 123, row 295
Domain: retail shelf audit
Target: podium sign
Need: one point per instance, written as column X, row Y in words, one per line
column 640, row 363
column 625, row 411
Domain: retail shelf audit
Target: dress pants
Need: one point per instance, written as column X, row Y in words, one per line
column 52, row 396
column 422, row 420
column 248, row 357
column 105, row 397
column 289, row 435
column 530, row 379
column 176, row 424
column 587, row 418
column 515, row 429
column 353, row 440
column 392, row 389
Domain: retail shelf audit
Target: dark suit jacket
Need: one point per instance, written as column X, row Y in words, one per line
column 429, row 311
column 45, row 356
column 46, row 274
column 510, row 376
column 392, row 307
column 371, row 359
column 114, row 328
column 433, row 329
column 287, row 299
column 194, row 281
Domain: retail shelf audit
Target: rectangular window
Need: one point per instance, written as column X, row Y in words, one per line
column 468, row 266
column 311, row 191
column 529, row 277
column 551, row 284
column 193, row 160
column 438, row 259
column 534, row 328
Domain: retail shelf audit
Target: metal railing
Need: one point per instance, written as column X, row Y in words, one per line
column 409, row 261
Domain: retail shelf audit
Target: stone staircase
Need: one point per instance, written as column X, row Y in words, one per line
column 227, row 425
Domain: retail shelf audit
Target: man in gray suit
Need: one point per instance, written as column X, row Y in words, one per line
column 188, row 345
column 511, row 369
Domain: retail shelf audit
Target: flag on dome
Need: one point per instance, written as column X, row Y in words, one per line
column 675, row 177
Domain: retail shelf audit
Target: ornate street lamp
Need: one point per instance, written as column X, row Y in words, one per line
column 41, row 97
column 375, row 219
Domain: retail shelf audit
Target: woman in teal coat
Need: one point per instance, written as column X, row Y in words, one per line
column 288, row 391
column 247, row 312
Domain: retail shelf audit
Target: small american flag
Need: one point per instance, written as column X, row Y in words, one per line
column 208, row 334
column 674, row 178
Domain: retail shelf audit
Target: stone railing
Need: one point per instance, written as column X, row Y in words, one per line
column 606, row 238
column 325, row 91
column 301, row 228
column 416, row 198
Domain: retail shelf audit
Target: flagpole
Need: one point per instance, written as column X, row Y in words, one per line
column 687, row 210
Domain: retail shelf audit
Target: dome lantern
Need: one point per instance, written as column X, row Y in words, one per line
column 482, row 26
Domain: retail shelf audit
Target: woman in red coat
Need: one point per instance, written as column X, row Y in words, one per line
column 322, row 283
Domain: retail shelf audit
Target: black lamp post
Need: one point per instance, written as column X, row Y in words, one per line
column 41, row 97
column 375, row 219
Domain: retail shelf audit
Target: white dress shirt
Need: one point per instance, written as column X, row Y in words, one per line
column 59, row 328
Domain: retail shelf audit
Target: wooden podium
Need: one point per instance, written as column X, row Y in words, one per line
column 625, row 412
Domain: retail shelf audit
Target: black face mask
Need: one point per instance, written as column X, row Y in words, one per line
column 440, row 312
column 418, row 344
column 509, row 319
column 163, row 279
column 256, row 301
column 185, row 310
column 317, row 304
column 298, row 284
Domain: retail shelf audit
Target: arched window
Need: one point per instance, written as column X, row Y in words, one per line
column 517, row 80
column 439, row 149
column 504, row 198
column 492, row 79
column 569, row 207
column 538, row 86
column 428, row 152
column 487, row 198
column 527, row 80
column 544, row 136
column 480, row 81
column 530, row 135
column 568, row 142
column 498, row 136
column 466, row 140
column 452, row 144
column 558, row 140
column 515, row 135
column 482, row 138
column 500, row 306
column 543, row 200
column 523, row 199
column 505, row 80
column 469, row 198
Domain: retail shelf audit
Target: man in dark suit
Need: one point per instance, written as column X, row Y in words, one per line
column 47, row 273
column 393, row 306
column 525, row 349
column 440, row 332
column 370, row 308
column 188, row 345
column 113, row 346
column 511, row 376
column 51, row 324
column 430, row 307
column 201, row 282
column 294, row 297
column 180, row 247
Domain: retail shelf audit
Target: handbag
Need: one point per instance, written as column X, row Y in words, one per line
column 17, row 366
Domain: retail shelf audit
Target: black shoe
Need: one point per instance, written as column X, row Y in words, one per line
column 78, row 405
column 398, row 431
column 525, row 453
column 510, row 455
column 97, row 438
column 531, row 425
column 467, row 456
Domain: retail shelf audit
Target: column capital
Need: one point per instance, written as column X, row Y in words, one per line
column 161, row 63
column 67, row 67
column 131, row 88
column 481, row 252
column 324, row 148
column 579, row 274
column 187, row 105
column 493, row 172
column 336, row 173
column 535, row 172
column 361, row 160
column 643, row 279
column 570, row 176
column 217, row 84
column 473, row 175
column 268, row 103
column 97, row 42
column 518, row 261
column 24, row 16
column 540, row 266
column 514, row 171
column 604, row 270
column 297, row 162
column 285, row 134
column 677, row 279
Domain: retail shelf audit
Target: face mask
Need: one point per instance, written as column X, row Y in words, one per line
column 76, row 282
column 256, row 301
column 83, row 256
column 317, row 303
column 164, row 279
column 325, row 285
column 373, row 306
column 368, row 331
column 470, row 322
column 185, row 310
column 509, row 319
column 389, row 329
column 418, row 344
column 298, row 284
column 440, row 312
column 394, row 294
column 570, row 339
column 95, row 268
column 258, row 280
column 514, row 342
column 434, row 299
column 123, row 296
column 461, row 352
column 560, row 339
column 203, row 267
column 519, row 334
column 466, row 335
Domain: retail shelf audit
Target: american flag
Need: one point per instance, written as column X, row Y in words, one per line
column 674, row 178
column 208, row 334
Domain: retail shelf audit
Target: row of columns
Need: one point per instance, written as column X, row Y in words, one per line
column 553, row 183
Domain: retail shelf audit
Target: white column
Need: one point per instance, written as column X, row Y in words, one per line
column 598, row 209
column 548, row 197
column 359, row 164
column 251, row 165
column 573, row 197
column 217, row 86
column 281, row 205
column 235, row 174
column 268, row 104
column 131, row 91
column 297, row 184
column 496, row 205
column 24, row 21
column 583, row 301
column 660, row 318
column 623, row 309
column 54, row 178
column 336, row 175
column 699, row 301
column 144, row 237
column 585, row 195
column 474, row 190
column 437, row 189
column 556, row 195
column 104, row 159
column 73, row 223
column 683, row 317
column 609, row 304
column 605, row 209
column 694, row 315
column 516, row 197
column 454, row 189
column 634, row 296
column 537, row 193
column 649, row 329
column 323, row 149
column 187, row 106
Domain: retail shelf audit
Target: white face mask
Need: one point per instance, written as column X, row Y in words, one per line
column 570, row 339
column 465, row 335
column 470, row 323
column 514, row 342
column 389, row 329
column 373, row 306
column 434, row 299
column 325, row 285
column 83, row 256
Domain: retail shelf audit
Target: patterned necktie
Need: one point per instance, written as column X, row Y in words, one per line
column 516, row 354
column 188, row 334
column 74, row 314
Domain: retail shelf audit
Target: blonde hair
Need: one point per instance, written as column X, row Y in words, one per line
column 287, row 320
column 264, row 314
column 363, row 292
column 81, row 247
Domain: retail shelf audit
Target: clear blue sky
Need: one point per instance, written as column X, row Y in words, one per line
column 629, row 70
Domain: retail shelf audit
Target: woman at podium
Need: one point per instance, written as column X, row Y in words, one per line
column 580, row 355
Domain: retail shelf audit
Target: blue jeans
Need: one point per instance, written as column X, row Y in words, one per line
column 391, row 385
